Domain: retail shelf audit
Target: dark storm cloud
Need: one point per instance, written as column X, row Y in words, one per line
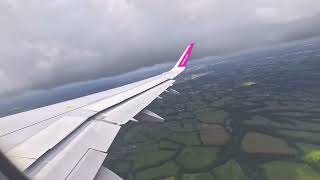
column 50, row 43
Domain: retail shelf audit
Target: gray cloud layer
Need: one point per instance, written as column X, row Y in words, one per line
column 46, row 43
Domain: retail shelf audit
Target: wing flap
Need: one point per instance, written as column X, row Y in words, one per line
column 37, row 145
column 21, row 162
column 106, row 174
column 88, row 166
column 13, row 139
column 97, row 135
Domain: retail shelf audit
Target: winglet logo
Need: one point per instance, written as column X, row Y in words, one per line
column 184, row 61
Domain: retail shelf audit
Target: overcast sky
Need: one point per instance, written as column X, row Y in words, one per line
column 47, row 43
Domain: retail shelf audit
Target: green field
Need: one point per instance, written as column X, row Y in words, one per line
column 309, row 136
column 254, row 142
column 279, row 170
column 311, row 153
column 211, row 116
column 262, row 121
column 166, row 170
column 198, row 176
column 145, row 159
column 193, row 158
column 230, row 170
column 169, row 145
column 188, row 139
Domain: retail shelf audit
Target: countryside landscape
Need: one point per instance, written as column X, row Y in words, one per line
column 246, row 117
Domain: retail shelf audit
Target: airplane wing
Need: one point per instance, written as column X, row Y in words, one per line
column 70, row 140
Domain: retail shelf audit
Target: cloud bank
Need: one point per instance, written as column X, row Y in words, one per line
column 45, row 43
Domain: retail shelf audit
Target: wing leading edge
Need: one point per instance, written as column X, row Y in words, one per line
column 59, row 142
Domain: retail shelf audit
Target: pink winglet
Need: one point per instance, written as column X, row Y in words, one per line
column 184, row 61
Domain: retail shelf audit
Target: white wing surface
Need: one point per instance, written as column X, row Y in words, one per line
column 70, row 140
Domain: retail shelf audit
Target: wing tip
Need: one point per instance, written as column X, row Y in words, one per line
column 183, row 62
